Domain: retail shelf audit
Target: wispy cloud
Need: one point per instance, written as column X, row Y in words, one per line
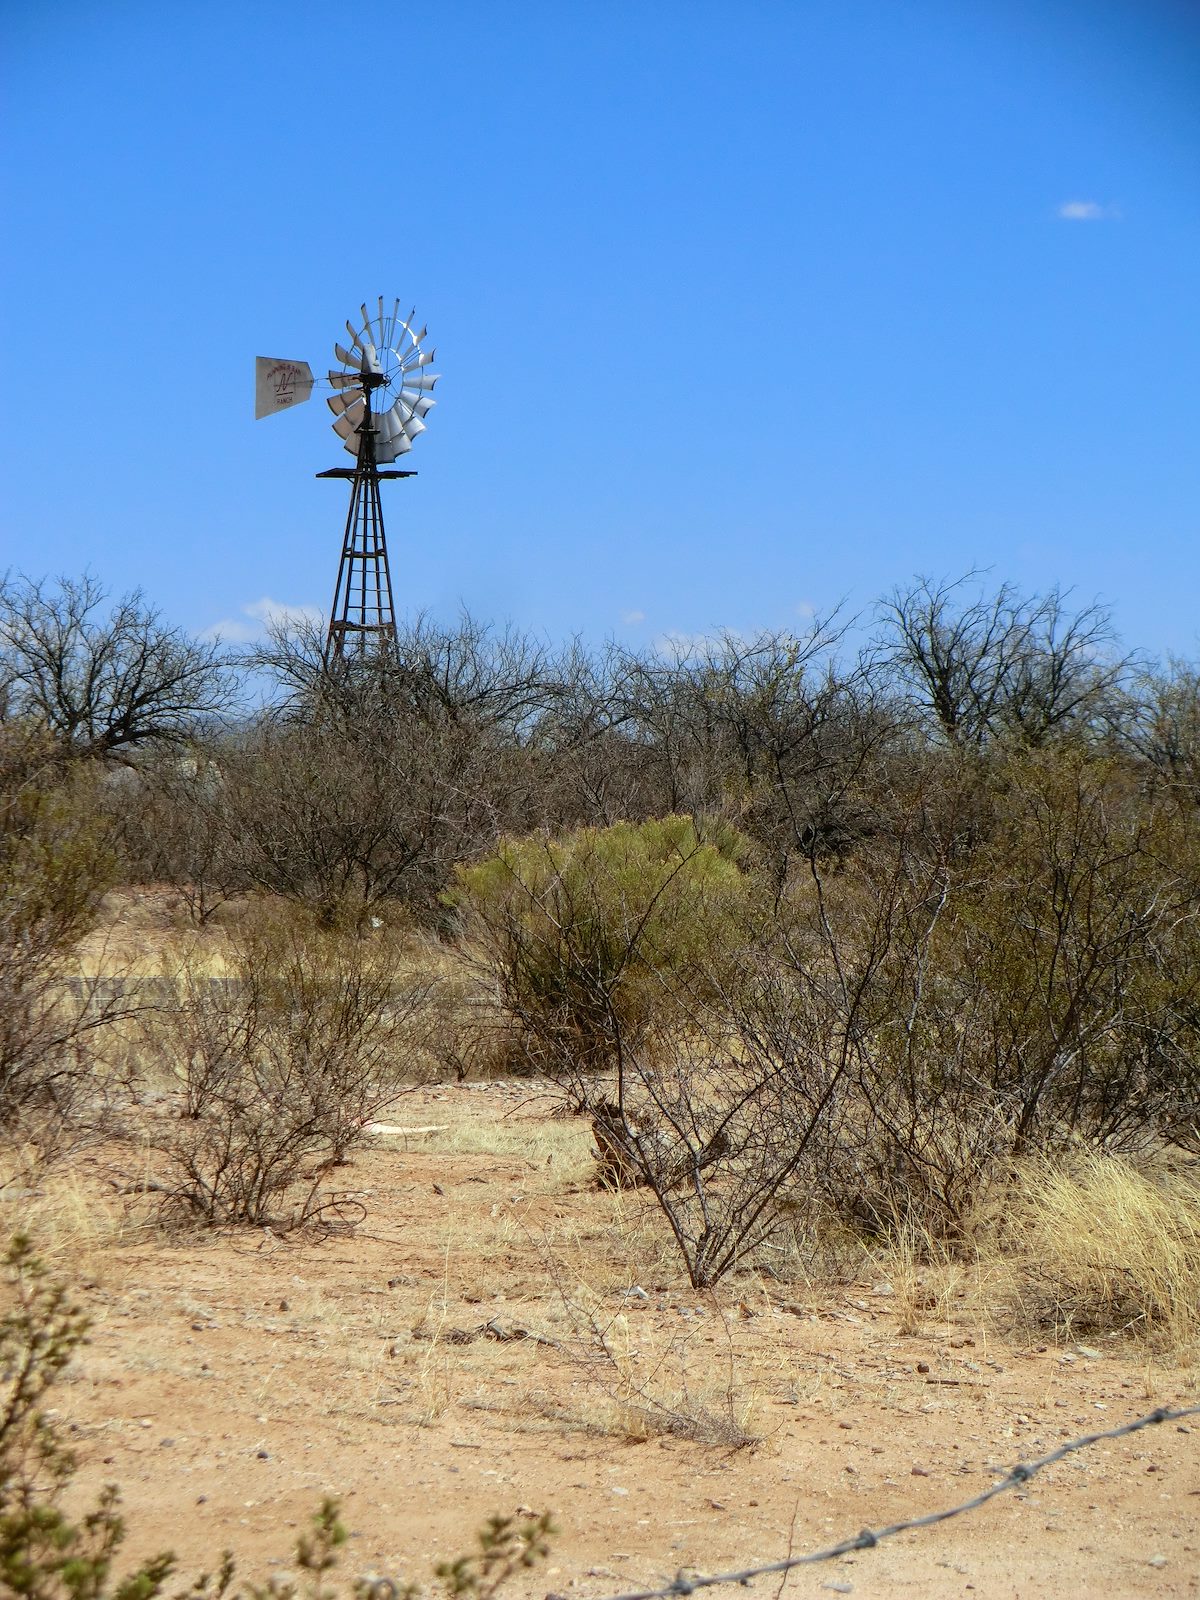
column 257, row 617
column 632, row 618
column 681, row 646
column 1086, row 211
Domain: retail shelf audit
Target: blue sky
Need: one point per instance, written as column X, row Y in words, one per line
column 742, row 309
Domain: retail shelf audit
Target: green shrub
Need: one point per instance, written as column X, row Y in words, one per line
column 606, row 933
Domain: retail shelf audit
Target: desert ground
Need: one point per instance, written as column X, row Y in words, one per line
column 499, row 1334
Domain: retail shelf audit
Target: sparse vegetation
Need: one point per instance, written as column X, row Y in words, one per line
column 892, row 961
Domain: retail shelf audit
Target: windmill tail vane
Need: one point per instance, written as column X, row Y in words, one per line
column 381, row 394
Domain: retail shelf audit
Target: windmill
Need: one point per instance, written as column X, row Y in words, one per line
column 382, row 394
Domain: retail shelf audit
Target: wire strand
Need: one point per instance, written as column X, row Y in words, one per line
column 685, row 1582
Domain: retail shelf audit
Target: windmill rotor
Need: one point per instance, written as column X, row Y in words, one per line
column 382, row 382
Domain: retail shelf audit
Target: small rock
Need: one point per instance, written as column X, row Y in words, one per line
column 1157, row 1561
column 919, row 1472
column 165, row 1444
column 636, row 1293
column 922, row 1366
column 264, row 1455
column 838, row 1588
column 1088, row 1350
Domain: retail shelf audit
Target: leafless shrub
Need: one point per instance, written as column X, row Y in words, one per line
column 54, row 868
column 978, row 667
column 278, row 1067
column 104, row 686
column 171, row 822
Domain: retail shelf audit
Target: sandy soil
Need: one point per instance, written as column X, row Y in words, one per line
column 232, row 1382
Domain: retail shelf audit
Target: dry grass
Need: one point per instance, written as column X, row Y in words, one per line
column 73, row 1218
column 1097, row 1245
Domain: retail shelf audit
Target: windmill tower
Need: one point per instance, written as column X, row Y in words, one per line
column 382, row 393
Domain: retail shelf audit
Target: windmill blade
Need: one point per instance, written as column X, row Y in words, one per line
column 387, row 426
column 345, row 380
column 351, row 409
column 417, row 358
column 279, row 384
column 355, row 334
column 397, row 446
column 415, row 408
column 414, row 385
column 414, row 426
column 346, row 401
column 346, row 357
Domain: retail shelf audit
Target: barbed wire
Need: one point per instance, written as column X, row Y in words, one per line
column 686, row 1582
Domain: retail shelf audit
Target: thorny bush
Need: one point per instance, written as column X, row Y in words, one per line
column 278, row 1065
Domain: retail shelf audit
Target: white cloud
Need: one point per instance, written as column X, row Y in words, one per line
column 679, row 645
column 257, row 617
column 632, row 618
column 1086, row 211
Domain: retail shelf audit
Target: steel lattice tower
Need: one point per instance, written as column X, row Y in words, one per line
column 362, row 619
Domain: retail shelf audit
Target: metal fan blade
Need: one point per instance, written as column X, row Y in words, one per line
column 344, row 427
column 387, row 426
column 414, row 385
column 388, row 447
column 349, row 410
column 417, row 408
column 345, row 380
column 414, row 426
column 417, row 358
column 345, row 356
column 345, row 401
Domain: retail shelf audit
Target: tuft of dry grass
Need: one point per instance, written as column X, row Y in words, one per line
column 1099, row 1245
